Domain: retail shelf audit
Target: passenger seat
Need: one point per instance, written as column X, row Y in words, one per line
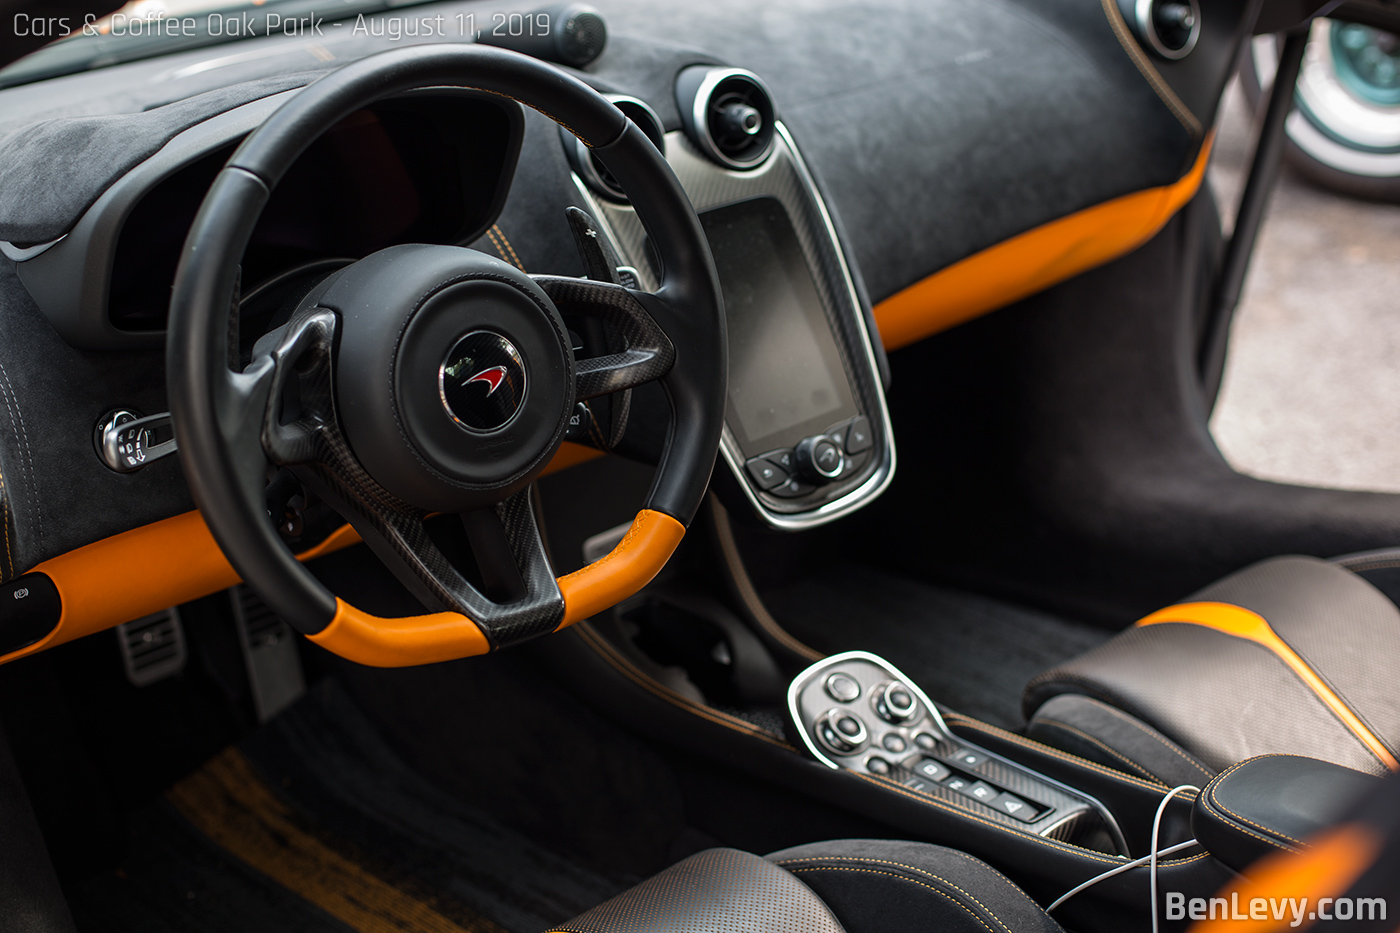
column 1292, row 655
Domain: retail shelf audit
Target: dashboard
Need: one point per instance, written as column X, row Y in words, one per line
column 807, row 434
column 423, row 168
column 841, row 203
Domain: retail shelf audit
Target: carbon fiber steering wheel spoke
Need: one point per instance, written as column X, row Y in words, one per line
column 649, row 353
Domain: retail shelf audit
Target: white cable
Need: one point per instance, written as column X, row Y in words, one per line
column 1118, row 871
column 1156, row 826
column 1145, row 860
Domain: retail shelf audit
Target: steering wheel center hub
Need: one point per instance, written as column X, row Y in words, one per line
column 454, row 374
column 483, row 381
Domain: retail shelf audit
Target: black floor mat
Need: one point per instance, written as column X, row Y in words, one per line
column 175, row 880
column 315, row 825
column 970, row 653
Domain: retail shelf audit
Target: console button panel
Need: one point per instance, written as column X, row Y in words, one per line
column 817, row 461
column 856, row 711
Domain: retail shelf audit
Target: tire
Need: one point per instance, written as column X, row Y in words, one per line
column 1344, row 131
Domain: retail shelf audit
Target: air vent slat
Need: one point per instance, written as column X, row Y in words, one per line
column 729, row 114
column 152, row 648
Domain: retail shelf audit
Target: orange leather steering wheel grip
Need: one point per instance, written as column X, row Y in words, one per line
column 443, row 636
column 635, row 562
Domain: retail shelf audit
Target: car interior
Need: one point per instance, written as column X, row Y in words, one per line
column 646, row 466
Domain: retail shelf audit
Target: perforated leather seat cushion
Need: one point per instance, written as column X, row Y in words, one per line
column 1224, row 698
column 716, row 891
column 882, row 886
column 849, row 886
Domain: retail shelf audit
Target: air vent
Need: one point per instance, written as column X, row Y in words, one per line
column 728, row 113
column 153, row 648
column 591, row 168
column 1170, row 28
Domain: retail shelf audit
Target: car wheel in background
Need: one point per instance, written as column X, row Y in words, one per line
column 1344, row 131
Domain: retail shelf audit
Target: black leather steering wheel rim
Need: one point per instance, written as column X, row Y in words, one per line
column 217, row 410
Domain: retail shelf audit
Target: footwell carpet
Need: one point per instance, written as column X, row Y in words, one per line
column 314, row 826
column 968, row 652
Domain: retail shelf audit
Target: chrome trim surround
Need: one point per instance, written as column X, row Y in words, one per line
column 699, row 114
column 857, row 741
column 802, row 680
column 512, row 353
column 581, row 157
column 785, row 177
column 21, row 253
column 1148, row 30
column 821, row 670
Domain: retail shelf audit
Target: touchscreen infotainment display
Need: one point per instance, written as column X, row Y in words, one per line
column 786, row 380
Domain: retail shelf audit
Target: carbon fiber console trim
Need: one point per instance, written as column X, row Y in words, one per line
column 895, row 750
column 784, row 177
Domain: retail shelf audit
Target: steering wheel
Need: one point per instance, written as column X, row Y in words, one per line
column 432, row 379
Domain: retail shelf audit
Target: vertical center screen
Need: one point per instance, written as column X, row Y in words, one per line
column 786, row 380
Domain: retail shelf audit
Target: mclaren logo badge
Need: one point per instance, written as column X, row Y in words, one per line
column 482, row 381
column 493, row 377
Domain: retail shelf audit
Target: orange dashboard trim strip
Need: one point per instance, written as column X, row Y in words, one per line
column 1033, row 261
column 165, row 563
column 133, row 574
column 1242, row 623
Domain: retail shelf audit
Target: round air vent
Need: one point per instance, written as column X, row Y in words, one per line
column 728, row 113
column 1169, row 28
column 591, row 168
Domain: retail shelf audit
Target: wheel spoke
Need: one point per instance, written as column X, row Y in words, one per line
column 649, row 353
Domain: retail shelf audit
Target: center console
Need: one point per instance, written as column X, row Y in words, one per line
column 807, row 434
column 849, row 745
column 856, row 711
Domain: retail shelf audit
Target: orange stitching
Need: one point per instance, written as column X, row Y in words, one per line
column 1216, row 800
column 5, row 518
column 1101, row 744
column 510, row 249
column 947, row 897
column 921, row 871
column 1044, row 749
column 615, row 553
column 1142, row 727
column 626, row 668
column 968, row 814
column 1374, row 563
column 491, row 235
column 1069, row 848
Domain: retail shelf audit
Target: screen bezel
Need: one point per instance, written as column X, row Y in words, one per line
column 814, row 316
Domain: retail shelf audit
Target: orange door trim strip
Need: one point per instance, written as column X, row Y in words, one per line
column 172, row 561
column 1033, row 261
column 1242, row 623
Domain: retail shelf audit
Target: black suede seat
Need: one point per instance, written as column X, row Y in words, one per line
column 853, row 885
column 1293, row 655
